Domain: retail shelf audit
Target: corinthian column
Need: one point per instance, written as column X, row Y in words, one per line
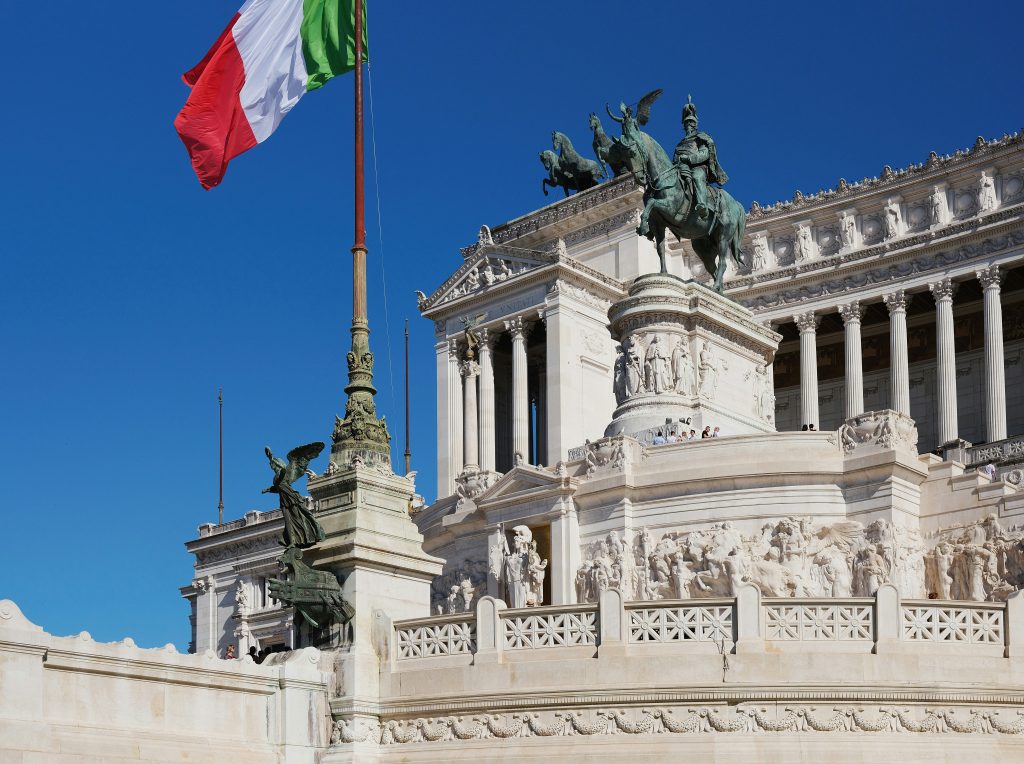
column 995, row 380
column 945, row 361
column 454, row 412
column 487, row 460
column 807, row 323
column 470, row 435
column 899, row 363
column 852, row 314
column 517, row 327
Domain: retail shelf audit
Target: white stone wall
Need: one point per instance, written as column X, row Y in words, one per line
column 77, row 701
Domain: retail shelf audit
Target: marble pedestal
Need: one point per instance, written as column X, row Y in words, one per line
column 374, row 546
column 692, row 357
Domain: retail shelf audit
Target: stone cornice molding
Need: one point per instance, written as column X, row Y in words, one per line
column 900, row 270
column 890, row 181
column 937, row 243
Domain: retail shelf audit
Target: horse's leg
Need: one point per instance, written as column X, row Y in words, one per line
column 723, row 243
column 659, row 233
column 645, row 217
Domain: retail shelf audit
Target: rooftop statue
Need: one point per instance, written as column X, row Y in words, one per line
column 300, row 527
column 678, row 196
column 567, row 168
column 608, row 152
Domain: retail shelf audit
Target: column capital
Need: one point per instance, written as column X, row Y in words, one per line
column 517, row 327
column 806, row 322
column 990, row 277
column 897, row 301
column 943, row 290
column 454, row 348
column 469, row 369
column 851, row 312
column 487, row 339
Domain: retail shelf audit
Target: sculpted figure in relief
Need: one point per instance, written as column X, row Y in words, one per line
column 656, row 367
column 682, row 366
column 635, row 367
column 848, row 230
column 804, row 244
column 893, row 220
column 938, row 210
column 621, row 382
column 986, row 193
column 764, row 396
column 760, row 261
column 708, row 371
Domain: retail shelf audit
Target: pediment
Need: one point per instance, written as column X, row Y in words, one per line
column 489, row 266
column 527, row 482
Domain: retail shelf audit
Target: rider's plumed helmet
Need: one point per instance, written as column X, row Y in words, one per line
column 690, row 112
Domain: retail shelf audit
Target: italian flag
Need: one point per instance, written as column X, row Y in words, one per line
column 271, row 54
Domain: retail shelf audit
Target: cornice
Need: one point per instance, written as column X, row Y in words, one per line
column 890, row 181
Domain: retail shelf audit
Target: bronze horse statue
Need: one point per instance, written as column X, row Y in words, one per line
column 669, row 202
column 568, row 169
column 608, row 152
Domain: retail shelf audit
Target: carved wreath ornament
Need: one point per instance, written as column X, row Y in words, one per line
column 678, row 721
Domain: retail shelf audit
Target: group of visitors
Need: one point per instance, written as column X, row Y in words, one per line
column 679, row 437
column 258, row 656
column 808, row 428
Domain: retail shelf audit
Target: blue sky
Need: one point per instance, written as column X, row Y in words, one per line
column 130, row 294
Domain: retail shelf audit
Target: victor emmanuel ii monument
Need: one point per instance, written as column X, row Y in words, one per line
column 833, row 574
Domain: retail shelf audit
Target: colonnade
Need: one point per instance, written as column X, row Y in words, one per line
column 896, row 302
column 470, row 399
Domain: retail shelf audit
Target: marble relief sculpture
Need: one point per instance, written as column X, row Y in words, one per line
column 457, row 590
column 708, row 371
column 657, row 372
column 682, row 368
column 635, row 368
column 986, row 193
column 760, row 260
column 938, row 210
column 804, row 244
column 519, row 568
column 762, row 391
column 893, row 219
column 979, row 562
column 787, row 558
column 848, row 230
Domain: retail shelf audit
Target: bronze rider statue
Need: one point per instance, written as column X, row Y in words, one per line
column 696, row 159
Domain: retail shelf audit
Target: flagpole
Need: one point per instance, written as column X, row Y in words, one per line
column 408, row 453
column 360, row 436
column 220, row 417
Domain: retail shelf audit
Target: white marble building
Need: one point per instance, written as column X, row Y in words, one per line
column 580, row 588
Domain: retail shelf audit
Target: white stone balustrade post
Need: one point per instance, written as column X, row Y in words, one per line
column 851, row 314
column 487, row 429
column 490, row 642
column 1014, row 625
column 517, row 327
column 470, row 432
column 611, row 617
column 945, row 361
column 995, row 374
column 749, row 619
column 887, row 618
column 565, row 547
column 807, row 323
column 454, row 415
column 899, row 361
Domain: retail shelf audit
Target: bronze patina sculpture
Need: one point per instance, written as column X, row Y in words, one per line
column 315, row 594
column 677, row 196
column 567, row 168
column 300, row 527
column 608, row 152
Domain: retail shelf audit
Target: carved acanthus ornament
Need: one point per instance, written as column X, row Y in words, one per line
column 896, row 301
column 806, row 322
column 851, row 313
column 990, row 277
column 943, row 290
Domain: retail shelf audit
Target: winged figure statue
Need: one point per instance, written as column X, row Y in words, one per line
column 300, row 527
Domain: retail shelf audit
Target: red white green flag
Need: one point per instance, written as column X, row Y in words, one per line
column 270, row 55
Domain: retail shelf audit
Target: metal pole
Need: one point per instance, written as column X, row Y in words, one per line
column 359, row 247
column 220, row 416
column 408, row 453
